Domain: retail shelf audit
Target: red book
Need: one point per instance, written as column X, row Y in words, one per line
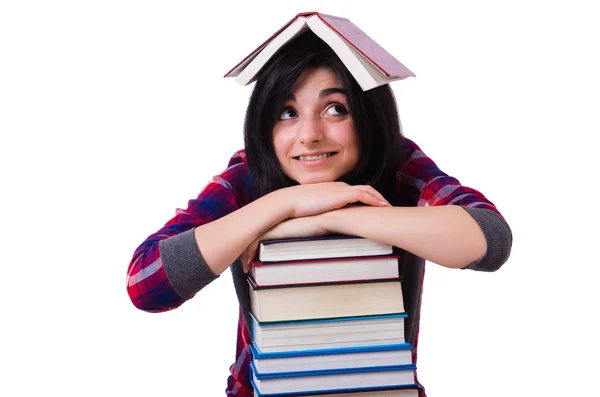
column 370, row 64
column 325, row 270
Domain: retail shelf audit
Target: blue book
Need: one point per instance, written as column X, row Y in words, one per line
column 331, row 359
column 321, row 334
column 400, row 391
column 322, row 381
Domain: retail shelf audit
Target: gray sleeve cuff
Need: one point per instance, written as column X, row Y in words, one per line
column 497, row 236
column 184, row 265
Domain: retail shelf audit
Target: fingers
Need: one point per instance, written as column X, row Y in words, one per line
column 244, row 259
column 368, row 195
column 246, row 263
column 373, row 191
column 317, row 198
column 248, row 256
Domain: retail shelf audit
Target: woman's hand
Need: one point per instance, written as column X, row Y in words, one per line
column 309, row 226
column 317, row 198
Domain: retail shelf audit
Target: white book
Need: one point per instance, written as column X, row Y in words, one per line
column 325, row 270
column 329, row 246
column 311, row 302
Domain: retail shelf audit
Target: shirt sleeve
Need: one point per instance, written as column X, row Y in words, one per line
column 167, row 268
column 421, row 182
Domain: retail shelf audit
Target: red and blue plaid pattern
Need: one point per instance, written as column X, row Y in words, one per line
column 420, row 183
column 148, row 286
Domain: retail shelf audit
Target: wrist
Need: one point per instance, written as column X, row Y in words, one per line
column 280, row 205
column 331, row 221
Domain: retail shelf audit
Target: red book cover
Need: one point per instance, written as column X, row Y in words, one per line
column 303, row 14
column 255, row 286
column 359, row 40
column 332, row 271
column 256, row 262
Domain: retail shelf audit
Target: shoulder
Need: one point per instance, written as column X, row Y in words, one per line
column 239, row 157
column 411, row 152
column 408, row 144
column 237, row 167
column 236, row 177
column 415, row 163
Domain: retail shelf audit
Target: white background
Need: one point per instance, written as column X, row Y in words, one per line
column 113, row 114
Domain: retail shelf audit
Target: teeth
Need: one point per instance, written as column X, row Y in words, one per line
column 312, row 158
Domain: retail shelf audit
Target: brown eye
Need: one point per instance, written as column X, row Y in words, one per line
column 336, row 110
column 288, row 114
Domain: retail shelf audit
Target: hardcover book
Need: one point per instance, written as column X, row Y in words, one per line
column 332, row 359
column 329, row 246
column 306, row 302
column 370, row 64
column 332, row 380
column 410, row 391
column 318, row 335
column 325, row 270
column 402, row 391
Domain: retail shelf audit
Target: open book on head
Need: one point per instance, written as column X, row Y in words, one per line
column 370, row 64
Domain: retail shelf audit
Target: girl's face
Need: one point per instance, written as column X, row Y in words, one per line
column 314, row 137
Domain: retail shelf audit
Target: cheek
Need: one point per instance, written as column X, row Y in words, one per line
column 282, row 142
column 348, row 139
column 352, row 149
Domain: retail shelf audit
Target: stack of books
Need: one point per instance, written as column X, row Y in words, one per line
column 328, row 317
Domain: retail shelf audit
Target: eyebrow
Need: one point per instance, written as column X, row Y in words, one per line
column 330, row 91
column 323, row 94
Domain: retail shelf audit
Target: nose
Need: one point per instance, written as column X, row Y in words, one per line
column 310, row 130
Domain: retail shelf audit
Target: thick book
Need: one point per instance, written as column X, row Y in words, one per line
column 332, row 380
column 325, row 270
column 306, row 302
column 332, row 359
column 370, row 64
column 328, row 334
column 323, row 247
column 410, row 391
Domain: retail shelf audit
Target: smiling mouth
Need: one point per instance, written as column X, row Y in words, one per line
column 316, row 157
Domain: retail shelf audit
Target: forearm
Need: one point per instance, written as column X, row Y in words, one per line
column 446, row 235
column 222, row 241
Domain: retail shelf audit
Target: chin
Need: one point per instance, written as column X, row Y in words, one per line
column 307, row 179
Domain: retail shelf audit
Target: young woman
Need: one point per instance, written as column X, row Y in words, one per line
column 321, row 156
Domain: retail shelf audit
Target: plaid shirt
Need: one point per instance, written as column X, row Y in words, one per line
column 419, row 181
